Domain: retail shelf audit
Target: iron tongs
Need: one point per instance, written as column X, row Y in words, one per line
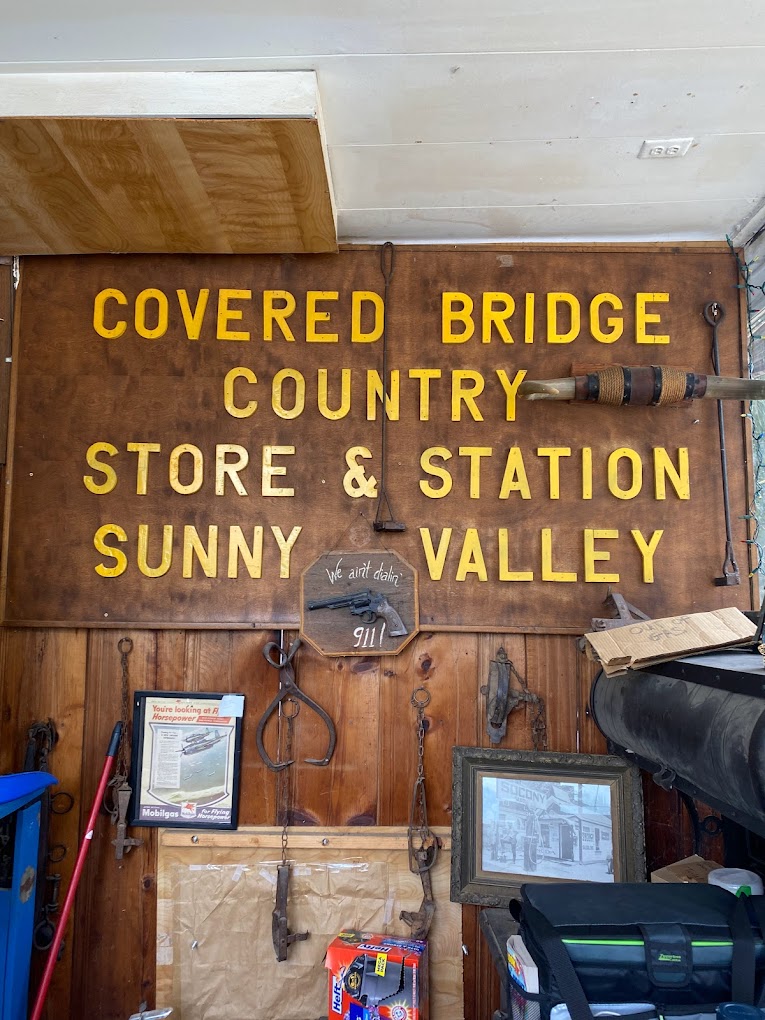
column 289, row 691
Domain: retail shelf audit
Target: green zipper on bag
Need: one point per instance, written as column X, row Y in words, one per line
column 634, row 942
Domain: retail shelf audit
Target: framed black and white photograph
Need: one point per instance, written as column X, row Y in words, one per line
column 528, row 816
column 185, row 759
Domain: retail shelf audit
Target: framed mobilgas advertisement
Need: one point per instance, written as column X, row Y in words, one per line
column 185, row 768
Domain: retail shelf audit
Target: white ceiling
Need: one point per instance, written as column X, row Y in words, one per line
column 489, row 120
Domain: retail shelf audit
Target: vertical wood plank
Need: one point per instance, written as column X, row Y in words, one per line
column 551, row 672
column 171, row 652
column 471, row 938
column 44, row 678
column 207, row 662
column 252, row 676
column 664, row 834
column 344, row 792
column 481, row 989
column 445, row 664
column 481, row 981
column 210, row 661
column 115, row 912
column 6, row 346
column 12, row 650
column 590, row 739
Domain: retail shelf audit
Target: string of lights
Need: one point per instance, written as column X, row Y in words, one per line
column 749, row 273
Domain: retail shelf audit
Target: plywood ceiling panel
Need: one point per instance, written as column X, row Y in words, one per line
column 85, row 185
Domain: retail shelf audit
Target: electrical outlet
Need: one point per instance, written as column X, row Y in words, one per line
column 664, row 148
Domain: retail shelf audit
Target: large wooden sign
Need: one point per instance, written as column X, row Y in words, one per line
column 192, row 432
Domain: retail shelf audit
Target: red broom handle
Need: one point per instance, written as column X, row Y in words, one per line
column 42, row 991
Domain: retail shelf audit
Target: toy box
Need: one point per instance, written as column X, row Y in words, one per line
column 377, row 976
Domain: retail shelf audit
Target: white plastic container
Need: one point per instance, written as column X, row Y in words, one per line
column 736, row 881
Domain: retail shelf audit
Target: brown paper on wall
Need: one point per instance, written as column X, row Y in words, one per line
column 641, row 644
column 215, row 957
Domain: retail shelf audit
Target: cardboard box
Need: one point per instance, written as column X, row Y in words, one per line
column 377, row 976
column 641, row 644
column 690, row 869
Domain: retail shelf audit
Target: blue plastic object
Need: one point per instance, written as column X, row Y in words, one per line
column 19, row 843
column 738, row 1011
column 20, row 788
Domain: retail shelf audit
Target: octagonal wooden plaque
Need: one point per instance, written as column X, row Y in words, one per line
column 359, row 603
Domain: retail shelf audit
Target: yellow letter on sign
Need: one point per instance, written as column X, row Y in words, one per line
column 647, row 551
column 616, row 324
column 120, row 565
column 226, row 314
column 554, row 335
column 110, row 475
column 450, row 314
column 237, row 410
column 277, row 313
column 193, row 320
column 358, row 297
column 592, row 555
column 314, row 315
column 492, row 316
column 161, row 313
column 110, row 333
column 642, row 317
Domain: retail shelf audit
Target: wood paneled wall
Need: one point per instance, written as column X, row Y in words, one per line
column 74, row 677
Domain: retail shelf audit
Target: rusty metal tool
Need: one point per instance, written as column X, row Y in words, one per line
column 118, row 789
column 382, row 523
column 123, row 844
column 627, row 613
column 502, row 699
column 45, row 931
column 714, row 314
column 281, row 936
column 422, row 857
column 289, row 692
column 420, row 920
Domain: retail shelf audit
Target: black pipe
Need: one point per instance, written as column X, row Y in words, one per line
column 703, row 741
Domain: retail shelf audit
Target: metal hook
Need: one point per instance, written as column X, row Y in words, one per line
column 387, row 257
column 420, row 697
column 714, row 313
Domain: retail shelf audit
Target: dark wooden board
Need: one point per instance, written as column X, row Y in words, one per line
column 6, row 348
column 76, row 388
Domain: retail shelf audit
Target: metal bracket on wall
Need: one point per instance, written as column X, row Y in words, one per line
column 627, row 613
column 502, row 699
column 714, row 314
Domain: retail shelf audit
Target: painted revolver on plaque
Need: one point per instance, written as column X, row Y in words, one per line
column 369, row 605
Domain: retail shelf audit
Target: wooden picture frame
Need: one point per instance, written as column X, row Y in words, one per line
column 529, row 816
column 185, row 759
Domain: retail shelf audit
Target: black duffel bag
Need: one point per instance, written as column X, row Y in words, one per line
column 681, row 948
